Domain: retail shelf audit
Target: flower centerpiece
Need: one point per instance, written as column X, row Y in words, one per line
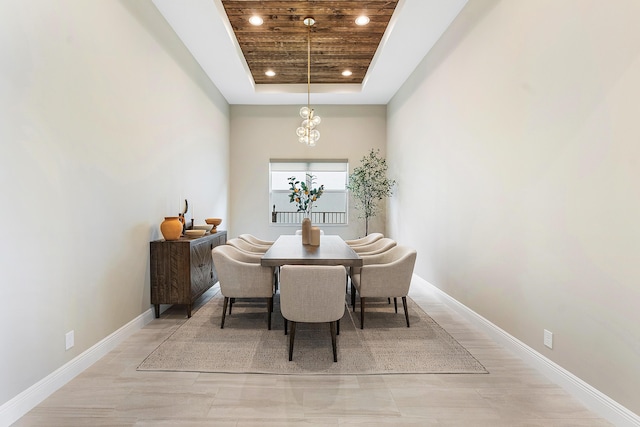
column 303, row 194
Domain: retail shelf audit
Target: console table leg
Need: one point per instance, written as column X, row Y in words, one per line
column 157, row 309
column 188, row 310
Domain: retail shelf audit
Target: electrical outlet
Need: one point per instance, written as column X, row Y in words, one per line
column 548, row 338
column 68, row 340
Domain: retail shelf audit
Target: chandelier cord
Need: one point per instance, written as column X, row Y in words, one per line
column 307, row 133
column 308, row 66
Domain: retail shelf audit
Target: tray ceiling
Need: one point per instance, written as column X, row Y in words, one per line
column 381, row 55
column 279, row 44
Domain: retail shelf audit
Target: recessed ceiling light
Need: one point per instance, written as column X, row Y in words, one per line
column 347, row 73
column 255, row 20
column 362, row 20
column 270, row 73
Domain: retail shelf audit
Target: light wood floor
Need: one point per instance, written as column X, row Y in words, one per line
column 113, row 393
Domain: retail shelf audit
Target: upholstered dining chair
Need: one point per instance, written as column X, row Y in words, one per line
column 364, row 251
column 312, row 294
column 241, row 277
column 245, row 246
column 365, row 240
column 387, row 275
column 244, row 256
column 256, row 241
column 242, row 243
column 377, row 247
column 250, row 257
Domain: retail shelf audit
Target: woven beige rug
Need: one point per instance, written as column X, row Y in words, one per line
column 385, row 346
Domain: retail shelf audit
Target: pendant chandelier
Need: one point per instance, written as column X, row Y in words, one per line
column 307, row 132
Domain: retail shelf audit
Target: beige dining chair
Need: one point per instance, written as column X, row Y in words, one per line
column 241, row 277
column 250, row 257
column 256, row 241
column 240, row 255
column 245, row 246
column 377, row 247
column 387, row 275
column 312, row 294
column 365, row 240
column 242, row 243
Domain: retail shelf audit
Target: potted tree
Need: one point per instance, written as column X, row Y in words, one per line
column 369, row 185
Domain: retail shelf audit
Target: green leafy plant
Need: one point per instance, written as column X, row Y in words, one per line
column 369, row 185
column 303, row 194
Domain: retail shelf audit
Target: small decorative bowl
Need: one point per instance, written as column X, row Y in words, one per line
column 213, row 221
column 205, row 227
column 194, row 233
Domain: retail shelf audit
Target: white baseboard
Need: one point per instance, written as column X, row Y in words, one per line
column 592, row 398
column 596, row 401
column 15, row 408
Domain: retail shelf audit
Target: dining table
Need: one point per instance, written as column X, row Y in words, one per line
column 288, row 249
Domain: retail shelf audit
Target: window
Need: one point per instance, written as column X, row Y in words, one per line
column 330, row 208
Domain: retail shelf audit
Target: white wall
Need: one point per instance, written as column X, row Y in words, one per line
column 516, row 149
column 260, row 133
column 105, row 123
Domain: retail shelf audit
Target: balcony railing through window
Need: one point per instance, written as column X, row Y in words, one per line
column 316, row 217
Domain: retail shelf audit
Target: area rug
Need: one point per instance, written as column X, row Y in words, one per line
column 385, row 346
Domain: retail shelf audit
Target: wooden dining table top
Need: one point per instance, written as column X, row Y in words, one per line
column 288, row 249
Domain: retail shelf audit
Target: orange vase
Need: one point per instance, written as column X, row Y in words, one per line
column 171, row 228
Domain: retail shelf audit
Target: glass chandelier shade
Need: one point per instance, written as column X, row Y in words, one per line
column 307, row 132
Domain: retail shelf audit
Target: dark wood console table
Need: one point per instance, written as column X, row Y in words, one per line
column 182, row 270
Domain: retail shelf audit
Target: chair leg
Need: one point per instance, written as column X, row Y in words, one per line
column 291, row 338
column 353, row 296
column 389, row 300
column 406, row 312
column 285, row 326
column 395, row 304
column 231, row 301
column 361, row 312
column 333, row 341
column 224, row 310
column 338, row 326
column 269, row 310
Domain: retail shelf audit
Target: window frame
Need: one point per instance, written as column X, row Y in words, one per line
column 344, row 168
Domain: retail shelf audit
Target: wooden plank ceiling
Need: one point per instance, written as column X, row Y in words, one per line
column 280, row 43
